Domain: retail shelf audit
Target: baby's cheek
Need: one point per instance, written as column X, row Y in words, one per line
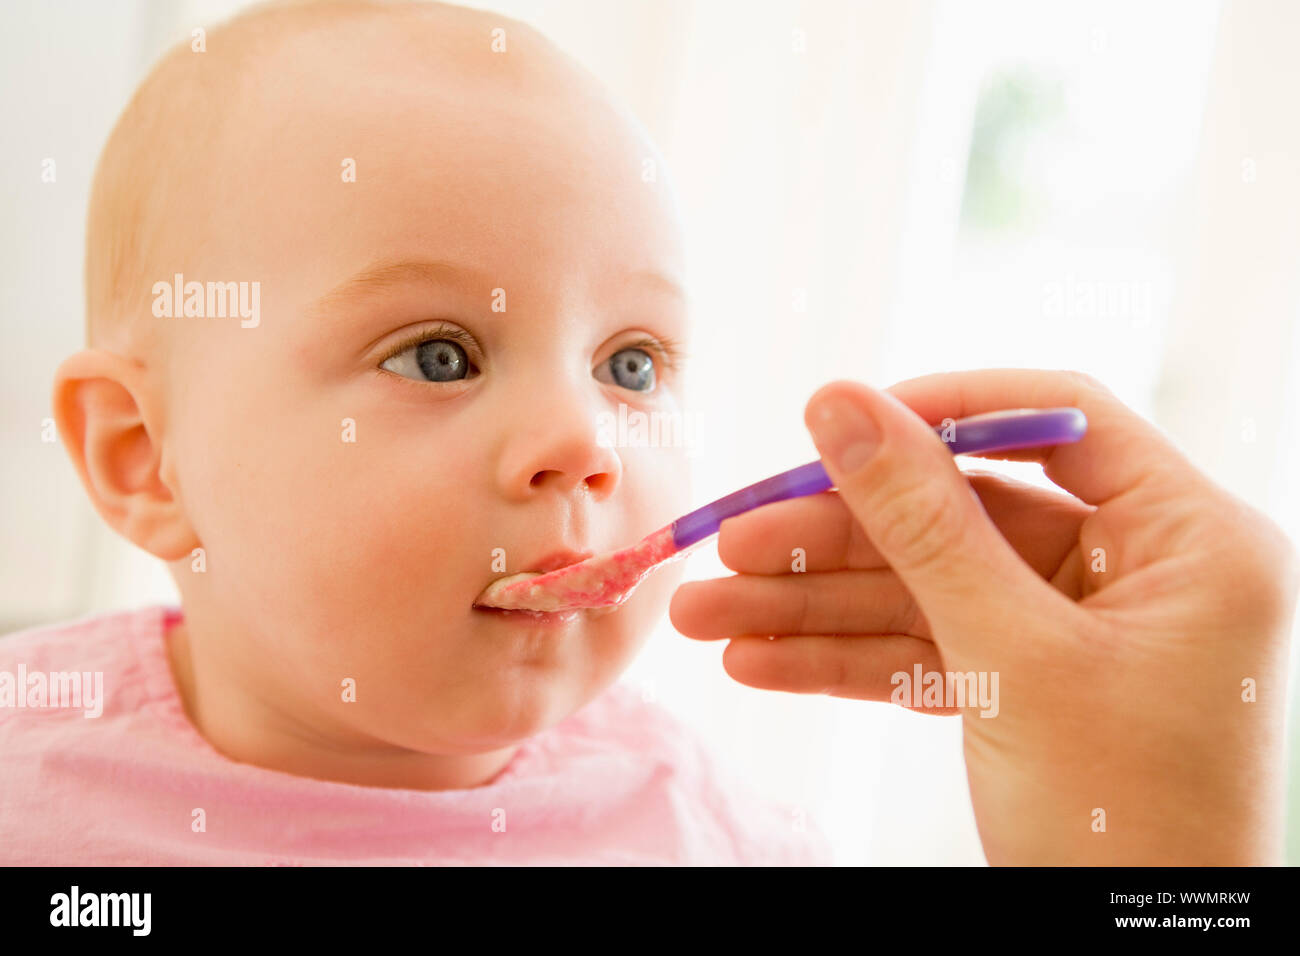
column 658, row 492
column 621, row 634
column 658, row 485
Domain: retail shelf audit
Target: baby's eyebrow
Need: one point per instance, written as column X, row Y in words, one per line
column 388, row 274
column 659, row 281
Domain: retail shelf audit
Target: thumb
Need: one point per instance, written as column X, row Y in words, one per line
column 900, row 481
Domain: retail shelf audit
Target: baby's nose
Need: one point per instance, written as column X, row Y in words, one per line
column 558, row 447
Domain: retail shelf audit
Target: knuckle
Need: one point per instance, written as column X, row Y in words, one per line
column 917, row 526
column 1086, row 381
column 836, row 676
column 1254, row 563
column 913, row 621
column 802, row 610
column 1275, row 572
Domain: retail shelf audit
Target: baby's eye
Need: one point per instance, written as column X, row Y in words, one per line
column 629, row 368
column 437, row 360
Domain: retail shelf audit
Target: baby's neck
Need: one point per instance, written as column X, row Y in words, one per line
column 242, row 727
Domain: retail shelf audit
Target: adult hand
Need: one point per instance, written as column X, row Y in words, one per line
column 1137, row 627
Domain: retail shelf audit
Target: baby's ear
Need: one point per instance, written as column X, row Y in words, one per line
column 105, row 409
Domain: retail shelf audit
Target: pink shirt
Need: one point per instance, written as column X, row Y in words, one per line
column 620, row 782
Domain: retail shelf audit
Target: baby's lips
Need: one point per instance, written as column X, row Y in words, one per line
column 565, row 557
column 513, row 592
column 603, row 581
column 598, row 583
column 502, row 589
column 530, row 591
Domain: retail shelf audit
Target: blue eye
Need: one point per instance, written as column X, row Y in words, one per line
column 632, row 369
column 441, row 360
column 431, row 360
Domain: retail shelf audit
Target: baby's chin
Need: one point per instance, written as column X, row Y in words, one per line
column 508, row 681
column 489, row 679
column 502, row 714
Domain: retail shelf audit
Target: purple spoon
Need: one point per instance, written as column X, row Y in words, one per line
column 609, row 579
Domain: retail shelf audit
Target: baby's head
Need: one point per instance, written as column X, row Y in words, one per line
column 445, row 236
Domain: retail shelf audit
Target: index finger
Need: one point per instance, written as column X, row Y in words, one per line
column 1120, row 450
column 820, row 529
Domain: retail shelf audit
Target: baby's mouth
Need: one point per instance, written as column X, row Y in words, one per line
column 508, row 593
column 603, row 581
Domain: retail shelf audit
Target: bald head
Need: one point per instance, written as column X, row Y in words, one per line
column 192, row 138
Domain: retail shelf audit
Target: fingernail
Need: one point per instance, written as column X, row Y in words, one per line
column 844, row 432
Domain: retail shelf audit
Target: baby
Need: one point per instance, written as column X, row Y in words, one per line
column 361, row 278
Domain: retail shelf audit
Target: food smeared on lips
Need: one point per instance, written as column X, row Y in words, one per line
column 602, row 581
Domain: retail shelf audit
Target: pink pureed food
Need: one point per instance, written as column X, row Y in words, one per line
column 601, row 581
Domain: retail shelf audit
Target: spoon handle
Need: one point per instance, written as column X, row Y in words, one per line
column 990, row 432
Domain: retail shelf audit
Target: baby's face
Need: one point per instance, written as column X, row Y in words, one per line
column 355, row 490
